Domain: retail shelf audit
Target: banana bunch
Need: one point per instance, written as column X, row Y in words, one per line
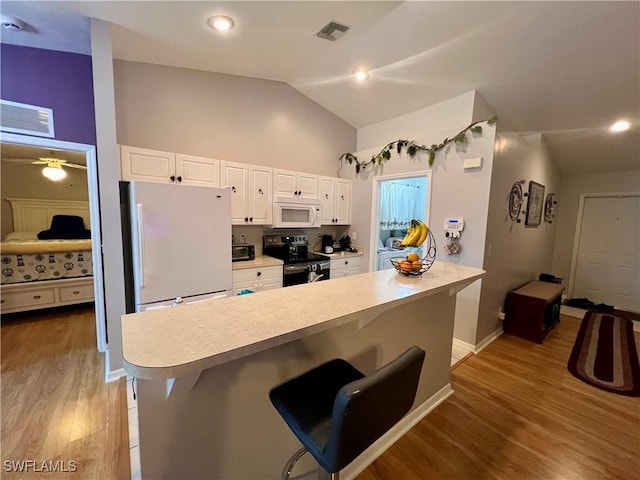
column 416, row 234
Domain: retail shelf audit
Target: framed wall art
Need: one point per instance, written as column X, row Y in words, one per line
column 534, row 204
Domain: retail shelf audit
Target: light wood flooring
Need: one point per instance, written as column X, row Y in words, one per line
column 517, row 413
column 55, row 403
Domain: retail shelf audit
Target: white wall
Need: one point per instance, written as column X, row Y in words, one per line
column 515, row 253
column 573, row 185
column 454, row 192
column 108, row 176
column 228, row 117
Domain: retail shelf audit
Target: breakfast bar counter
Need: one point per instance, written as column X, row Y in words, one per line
column 203, row 371
column 172, row 342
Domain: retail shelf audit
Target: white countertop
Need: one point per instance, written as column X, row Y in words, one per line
column 339, row 255
column 260, row 261
column 173, row 342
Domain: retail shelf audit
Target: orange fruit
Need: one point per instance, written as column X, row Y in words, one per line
column 406, row 266
column 413, row 257
column 417, row 265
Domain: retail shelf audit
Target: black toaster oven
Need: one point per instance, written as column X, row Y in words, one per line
column 242, row 252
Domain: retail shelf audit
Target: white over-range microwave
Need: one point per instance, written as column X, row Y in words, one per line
column 295, row 213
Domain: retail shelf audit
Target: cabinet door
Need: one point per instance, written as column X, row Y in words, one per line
column 326, row 193
column 272, row 283
column 234, row 176
column 261, row 203
column 204, row 172
column 145, row 165
column 337, row 273
column 284, row 183
column 343, row 202
column 308, row 186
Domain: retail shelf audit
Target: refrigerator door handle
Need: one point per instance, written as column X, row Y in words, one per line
column 140, row 244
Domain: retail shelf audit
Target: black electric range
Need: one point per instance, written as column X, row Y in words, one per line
column 300, row 265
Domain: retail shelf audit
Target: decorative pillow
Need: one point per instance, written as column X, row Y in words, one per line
column 68, row 227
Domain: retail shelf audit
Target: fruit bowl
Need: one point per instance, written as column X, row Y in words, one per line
column 409, row 265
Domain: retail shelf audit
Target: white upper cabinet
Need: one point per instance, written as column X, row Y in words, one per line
column 200, row 171
column 147, row 165
column 142, row 164
column 287, row 183
column 335, row 200
column 251, row 195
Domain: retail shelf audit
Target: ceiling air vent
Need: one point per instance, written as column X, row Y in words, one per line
column 27, row 119
column 332, row 31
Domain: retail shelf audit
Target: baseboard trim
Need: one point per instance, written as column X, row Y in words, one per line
column 393, row 435
column 464, row 346
column 488, row 339
column 114, row 375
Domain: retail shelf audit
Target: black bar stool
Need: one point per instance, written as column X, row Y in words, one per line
column 337, row 412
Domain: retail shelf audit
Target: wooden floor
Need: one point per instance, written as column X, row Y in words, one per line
column 517, row 413
column 55, row 403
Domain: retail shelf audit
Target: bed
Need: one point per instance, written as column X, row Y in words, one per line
column 37, row 273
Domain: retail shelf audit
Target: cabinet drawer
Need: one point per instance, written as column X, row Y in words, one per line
column 79, row 292
column 25, row 299
column 251, row 274
column 345, row 262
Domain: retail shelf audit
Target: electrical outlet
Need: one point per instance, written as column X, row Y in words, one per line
column 319, row 235
column 353, row 236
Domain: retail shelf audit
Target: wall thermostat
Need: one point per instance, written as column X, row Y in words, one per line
column 453, row 227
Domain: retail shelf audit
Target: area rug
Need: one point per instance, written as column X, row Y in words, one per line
column 605, row 355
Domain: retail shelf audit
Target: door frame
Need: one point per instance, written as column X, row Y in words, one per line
column 578, row 233
column 375, row 211
column 94, row 211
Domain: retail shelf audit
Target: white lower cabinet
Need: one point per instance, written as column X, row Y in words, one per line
column 344, row 267
column 257, row 279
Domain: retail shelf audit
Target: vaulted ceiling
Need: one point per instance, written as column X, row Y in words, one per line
column 565, row 69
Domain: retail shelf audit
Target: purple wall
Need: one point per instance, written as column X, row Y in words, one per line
column 58, row 80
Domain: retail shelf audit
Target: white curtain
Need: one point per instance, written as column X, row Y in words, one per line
column 398, row 205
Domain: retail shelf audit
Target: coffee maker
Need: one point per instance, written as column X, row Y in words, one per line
column 327, row 244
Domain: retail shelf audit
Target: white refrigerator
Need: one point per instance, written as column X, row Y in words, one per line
column 180, row 244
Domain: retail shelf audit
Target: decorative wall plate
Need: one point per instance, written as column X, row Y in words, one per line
column 515, row 201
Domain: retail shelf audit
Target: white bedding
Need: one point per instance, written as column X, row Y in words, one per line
column 24, row 258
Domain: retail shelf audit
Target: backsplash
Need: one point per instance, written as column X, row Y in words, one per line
column 253, row 234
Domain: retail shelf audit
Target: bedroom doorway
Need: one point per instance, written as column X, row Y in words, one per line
column 89, row 153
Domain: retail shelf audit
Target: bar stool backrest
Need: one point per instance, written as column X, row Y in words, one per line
column 365, row 409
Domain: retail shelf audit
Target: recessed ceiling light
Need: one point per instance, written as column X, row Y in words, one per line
column 620, row 126
column 361, row 75
column 221, row 23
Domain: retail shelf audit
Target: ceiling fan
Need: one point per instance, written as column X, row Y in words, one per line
column 53, row 169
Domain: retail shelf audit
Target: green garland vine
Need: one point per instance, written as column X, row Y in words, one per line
column 460, row 139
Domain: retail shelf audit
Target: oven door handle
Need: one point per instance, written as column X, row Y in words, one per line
column 299, row 268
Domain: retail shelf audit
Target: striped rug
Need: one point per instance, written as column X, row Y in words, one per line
column 604, row 354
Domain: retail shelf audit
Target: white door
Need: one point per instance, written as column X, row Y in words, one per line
column 326, row 191
column 199, row 171
column 284, row 183
column 146, row 165
column 260, row 195
column 234, row 177
column 181, row 241
column 343, row 202
column 308, row 186
column 608, row 259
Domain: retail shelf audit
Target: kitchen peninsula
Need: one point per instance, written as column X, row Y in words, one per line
column 204, row 370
